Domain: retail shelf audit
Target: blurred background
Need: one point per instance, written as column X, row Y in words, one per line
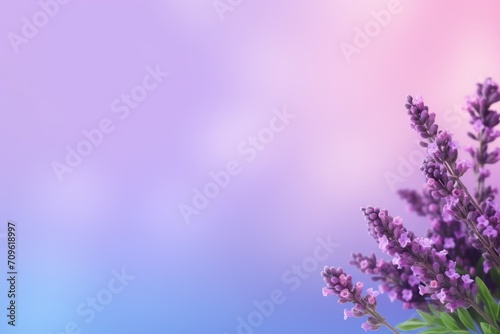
column 296, row 108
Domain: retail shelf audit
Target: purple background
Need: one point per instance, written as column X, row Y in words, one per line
column 119, row 208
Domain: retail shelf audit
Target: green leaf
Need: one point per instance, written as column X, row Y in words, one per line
column 465, row 318
column 431, row 319
column 484, row 293
column 443, row 331
column 486, row 328
column 489, row 329
column 412, row 324
column 449, row 322
column 434, row 311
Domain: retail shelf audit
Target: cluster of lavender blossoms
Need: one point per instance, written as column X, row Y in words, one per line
column 340, row 284
column 434, row 271
column 443, row 170
column 483, row 120
column 463, row 241
column 399, row 283
column 446, row 232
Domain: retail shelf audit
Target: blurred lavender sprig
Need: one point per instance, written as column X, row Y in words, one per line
column 483, row 120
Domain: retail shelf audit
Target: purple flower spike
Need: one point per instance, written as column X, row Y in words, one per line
column 400, row 284
column 435, row 271
column 483, row 120
column 478, row 104
column 488, row 227
column 420, row 119
column 459, row 207
column 339, row 283
column 446, row 233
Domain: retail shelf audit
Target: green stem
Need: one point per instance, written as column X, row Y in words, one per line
column 463, row 187
column 485, row 316
column 480, row 181
column 381, row 319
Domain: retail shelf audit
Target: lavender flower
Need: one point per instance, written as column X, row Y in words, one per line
column 421, row 120
column 488, row 226
column 446, row 232
column 443, row 171
column 483, row 120
column 459, row 207
column 478, row 104
column 441, row 146
column 434, row 270
column 399, row 284
column 340, row 284
column 441, row 186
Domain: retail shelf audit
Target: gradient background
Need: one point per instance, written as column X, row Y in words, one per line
column 119, row 208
